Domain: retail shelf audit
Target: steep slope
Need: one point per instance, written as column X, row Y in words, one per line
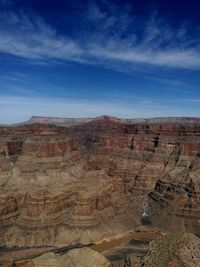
column 61, row 185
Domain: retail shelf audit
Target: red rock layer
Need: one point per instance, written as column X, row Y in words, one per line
column 54, row 176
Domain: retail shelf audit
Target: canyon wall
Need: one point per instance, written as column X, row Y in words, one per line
column 99, row 178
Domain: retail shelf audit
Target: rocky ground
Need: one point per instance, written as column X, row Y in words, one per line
column 174, row 250
column 89, row 180
column 177, row 250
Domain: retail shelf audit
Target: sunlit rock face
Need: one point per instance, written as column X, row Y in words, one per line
column 84, row 182
column 83, row 257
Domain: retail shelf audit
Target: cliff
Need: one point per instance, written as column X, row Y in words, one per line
column 96, row 179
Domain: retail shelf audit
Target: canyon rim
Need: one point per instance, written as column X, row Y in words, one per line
column 98, row 179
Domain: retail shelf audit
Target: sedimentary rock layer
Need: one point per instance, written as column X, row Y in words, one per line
column 98, row 178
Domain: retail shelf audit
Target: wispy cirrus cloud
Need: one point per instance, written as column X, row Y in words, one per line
column 31, row 38
column 114, row 38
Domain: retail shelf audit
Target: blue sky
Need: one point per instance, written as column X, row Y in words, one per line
column 87, row 58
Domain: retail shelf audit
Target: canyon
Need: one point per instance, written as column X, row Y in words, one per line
column 81, row 181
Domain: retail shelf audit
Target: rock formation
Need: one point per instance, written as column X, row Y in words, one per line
column 91, row 180
column 84, row 257
column 174, row 251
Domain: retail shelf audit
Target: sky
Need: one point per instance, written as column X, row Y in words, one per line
column 86, row 58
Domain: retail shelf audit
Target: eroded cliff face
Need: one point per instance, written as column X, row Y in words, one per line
column 61, row 185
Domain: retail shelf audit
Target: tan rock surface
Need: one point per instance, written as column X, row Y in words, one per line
column 83, row 257
column 89, row 181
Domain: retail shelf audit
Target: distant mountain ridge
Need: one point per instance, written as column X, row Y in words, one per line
column 75, row 121
column 59, row 121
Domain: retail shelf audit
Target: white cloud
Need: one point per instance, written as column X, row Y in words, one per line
column 113, row 42
column 31, row 38
column 185, row 59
